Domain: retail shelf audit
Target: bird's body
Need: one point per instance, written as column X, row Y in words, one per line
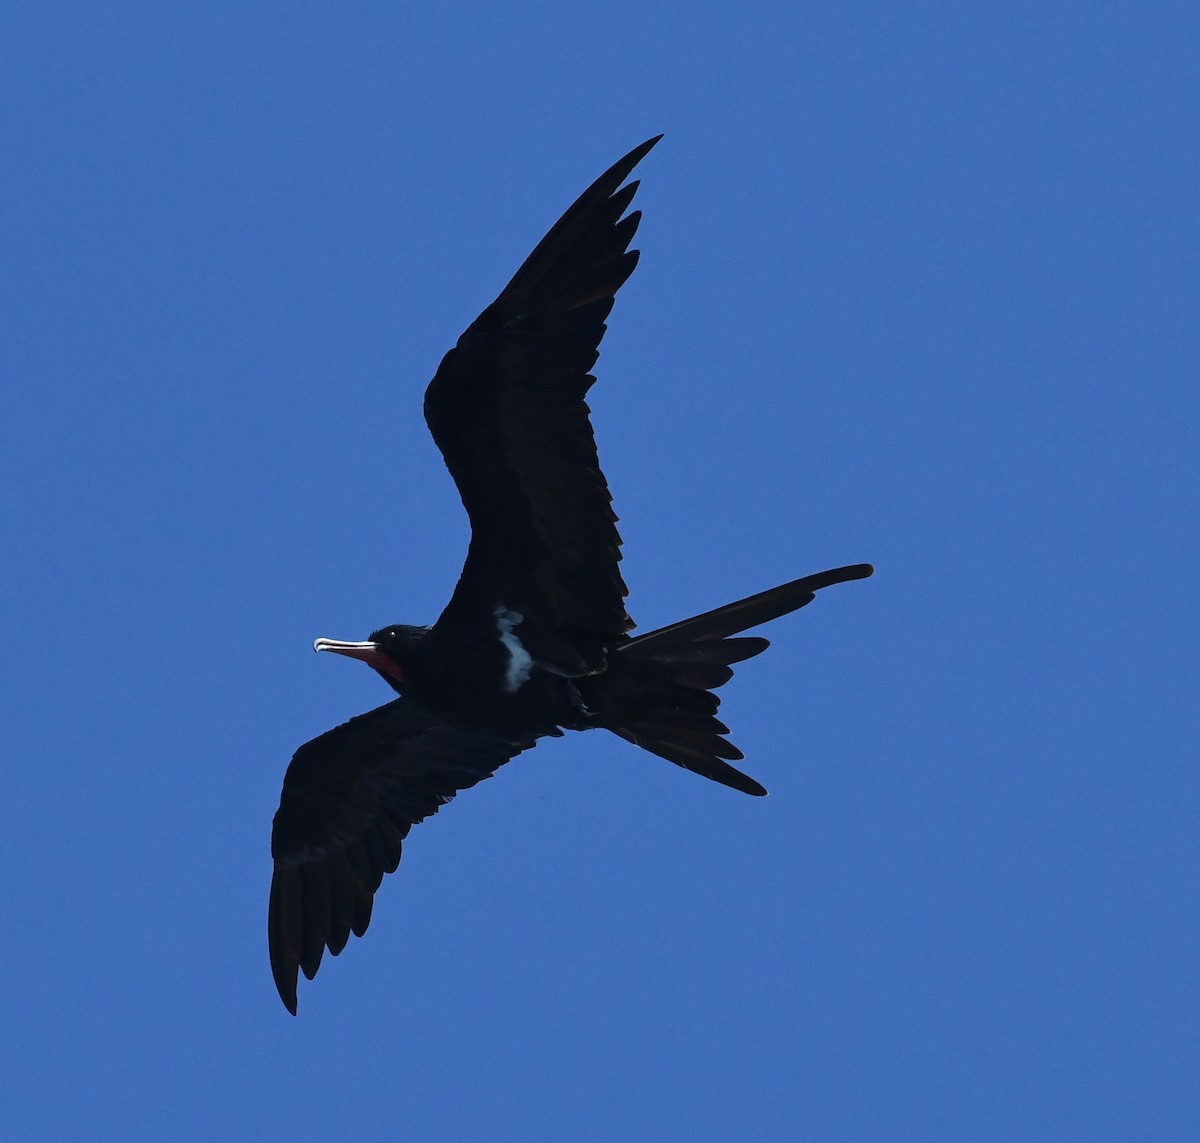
column 485, row 678
column 535, row 639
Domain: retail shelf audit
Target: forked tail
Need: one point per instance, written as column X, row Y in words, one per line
column 658, row 694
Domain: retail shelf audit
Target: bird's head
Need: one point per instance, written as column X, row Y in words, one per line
column 387, row 650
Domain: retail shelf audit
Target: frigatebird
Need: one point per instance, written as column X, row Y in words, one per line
column 535, row 639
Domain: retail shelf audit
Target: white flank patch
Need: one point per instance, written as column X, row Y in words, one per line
column 520, row 662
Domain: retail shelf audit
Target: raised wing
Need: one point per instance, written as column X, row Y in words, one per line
column 349, row 799
column 507, row 410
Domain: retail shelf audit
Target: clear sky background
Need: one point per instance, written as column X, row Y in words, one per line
column 918, row 286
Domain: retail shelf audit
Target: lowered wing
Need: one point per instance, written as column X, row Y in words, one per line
column 349, row 799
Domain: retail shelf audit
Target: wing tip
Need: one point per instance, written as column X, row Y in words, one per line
column 625, row 165
column 285, row 969
column 606, row 185
column 643, row 149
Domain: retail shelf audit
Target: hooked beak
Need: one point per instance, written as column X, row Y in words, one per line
column 343, row 648
column 366, row 652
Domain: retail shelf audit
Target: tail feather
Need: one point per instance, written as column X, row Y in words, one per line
column 749, row 612
column 658, row 694
column 686, row 721
column 698, row 760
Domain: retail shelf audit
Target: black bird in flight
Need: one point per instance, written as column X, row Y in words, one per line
column 535, row 638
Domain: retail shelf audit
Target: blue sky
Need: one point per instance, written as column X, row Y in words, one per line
column 918, row 286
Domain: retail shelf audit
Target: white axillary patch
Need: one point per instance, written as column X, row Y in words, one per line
column 520, row 662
